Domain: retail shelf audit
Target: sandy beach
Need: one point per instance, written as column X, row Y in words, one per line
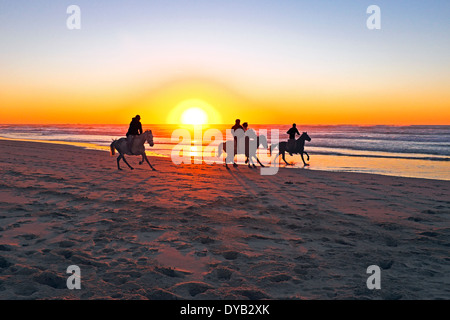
column 203, row 232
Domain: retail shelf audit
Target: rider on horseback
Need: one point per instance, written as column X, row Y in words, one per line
column 250, row 134
column 238, row 133
column 134, row 130
column 291, row 145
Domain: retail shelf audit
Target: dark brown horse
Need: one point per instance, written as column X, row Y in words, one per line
column 299, row 147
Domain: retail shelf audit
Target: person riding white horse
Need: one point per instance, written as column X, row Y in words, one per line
column 245, row 142
column 134, row 130
column 121, row 145
column 250, row 138
column 238, row 132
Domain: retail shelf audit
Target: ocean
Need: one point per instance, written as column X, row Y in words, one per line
column 407, row 151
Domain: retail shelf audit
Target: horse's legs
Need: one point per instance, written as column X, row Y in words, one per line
column 123, row 157
column 234, row 162
column 257, row 159
column 118, row 159
column 282, row 151
column 230, row 158
column 283, row 154
column 248, row 160
column 227, row 159
column 142, row 161
column 306, row 154
column 252, row 162
column 144, row 156
column 304, row 163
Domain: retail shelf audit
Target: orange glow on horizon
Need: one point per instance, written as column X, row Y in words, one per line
column 222, row 105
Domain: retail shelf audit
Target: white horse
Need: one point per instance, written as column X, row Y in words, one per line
column 249, row 150
column 121, row 146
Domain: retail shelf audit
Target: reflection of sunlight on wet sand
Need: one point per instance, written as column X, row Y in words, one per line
column 377, row 165
column 372, row 154
column 363, row 161
column 76, row 144
column 195, row 151
column 404, row 167
column 85, row 145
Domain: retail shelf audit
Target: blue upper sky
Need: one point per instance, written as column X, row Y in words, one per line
column 413, row 30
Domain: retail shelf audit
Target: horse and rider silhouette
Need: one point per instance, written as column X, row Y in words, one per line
column 245, row 142
column 133, row 144
column 298, row 147
column 245, row 136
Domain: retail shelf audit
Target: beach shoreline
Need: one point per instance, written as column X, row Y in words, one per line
column 205, row 232
column 375, row 164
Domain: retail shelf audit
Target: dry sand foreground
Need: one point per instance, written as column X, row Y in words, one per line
column 202, row 232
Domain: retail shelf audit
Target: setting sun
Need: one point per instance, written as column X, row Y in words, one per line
column 194, row 111
column 194, row 116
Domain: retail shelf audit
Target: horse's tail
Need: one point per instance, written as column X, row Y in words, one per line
column 273, row 147
column 220, row 149
column 112, row 148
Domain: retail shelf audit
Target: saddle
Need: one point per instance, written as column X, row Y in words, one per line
column 244, row 144
column 291, row 146
column 130, row 144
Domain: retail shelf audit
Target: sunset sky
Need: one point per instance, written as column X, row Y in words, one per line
column 310, row 62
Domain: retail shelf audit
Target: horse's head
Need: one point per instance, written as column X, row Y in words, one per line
column 305, row 136
column 149, row 137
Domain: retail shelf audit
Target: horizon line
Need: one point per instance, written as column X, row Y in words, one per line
column 223, row 124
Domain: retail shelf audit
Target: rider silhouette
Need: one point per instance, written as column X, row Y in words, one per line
column 292, row 142
column 238, row 132
column 134, row 130
column 250, row 134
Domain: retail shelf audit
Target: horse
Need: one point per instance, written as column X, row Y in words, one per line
column 121, row 146
column 249, row 151
column 299, row 147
